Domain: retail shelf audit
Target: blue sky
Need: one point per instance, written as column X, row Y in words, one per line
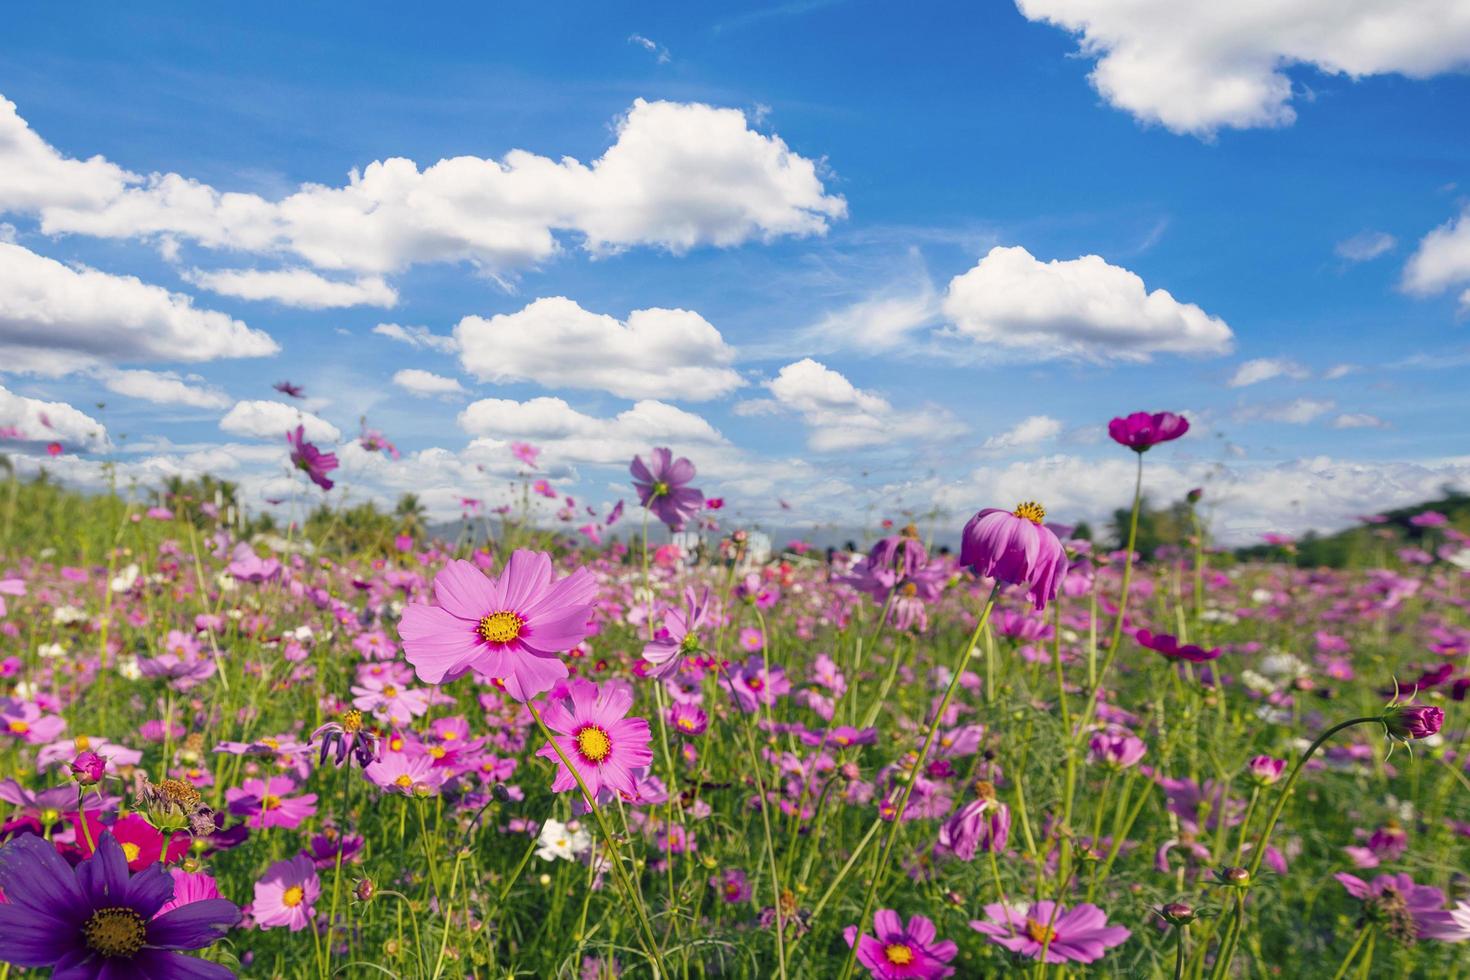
column 818, row 187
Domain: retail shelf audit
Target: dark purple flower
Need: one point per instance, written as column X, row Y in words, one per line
column 287, row 388
column 96, row 920
column 1408, row 722
column 1016, row 548
column 662, row 488
column 1143, row 430
column 305, row 456
column 1172, row 649
column 347, row 737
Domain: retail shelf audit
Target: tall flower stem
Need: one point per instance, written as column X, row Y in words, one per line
column 1116, row 637
column 615, row 854
column 1258, row 852
column 883, row 860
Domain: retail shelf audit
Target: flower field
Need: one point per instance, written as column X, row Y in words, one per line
column 543, row 753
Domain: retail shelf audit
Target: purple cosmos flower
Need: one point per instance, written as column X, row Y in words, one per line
column 902, row 952
column 1143, row 430
column 980, row 826
column 87, row 768
column 662, row 488
column 288, row 389
column 511, row 627
column 374, row 441
column 733, row 886
column 348, row 738
column 756, row 684
column 688, row 719
column 264, row 803
column 1172, row 649
column 1016, row 548
column 1116, row 751
column 98, row 921
column 1404, row 908
column 1081, row 935
column 305, row 456
column 1265, row 770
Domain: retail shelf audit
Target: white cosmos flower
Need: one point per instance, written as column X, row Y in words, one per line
column 125, row 579
column 558, row 841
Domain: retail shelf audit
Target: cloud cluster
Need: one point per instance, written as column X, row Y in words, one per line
column 1442, row 260
column 570, row 436
column 427, row 383
column 295, row 287
column 1196, row 66
column 1264, row 369
column 34, row 420
column 272, row 420
column 840, row 416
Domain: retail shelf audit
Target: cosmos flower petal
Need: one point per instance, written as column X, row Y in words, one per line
column 193, row 926
column 463, row 591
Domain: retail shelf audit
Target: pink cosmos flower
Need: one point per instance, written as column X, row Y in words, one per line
column 1143, row 430
column 603, row 744
column 306, row 457
column 286, row 895
column 385, row 698
column 265, row 803
column 902, row 952
column 1016, row 548
column 400, row 772
column 679, row 637
column 374, row 441
column 756, row 684
column 511, row 627
column 663, row 487
column 189, row 887
column 1116, row 751
column 980, row 826
column 525, row 452
column 1408, row 910
column 1081, row 935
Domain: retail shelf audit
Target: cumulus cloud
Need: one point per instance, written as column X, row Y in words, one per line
column 1196, row 66
column 1264, row 369
column 1028, row 432
column 567, row 435
column 272, row 420
column 162, row 388
column 1365, row 246
column 677, row 176
column 1442, row 260
column 420, row 338
column 656, row 353
column 34, row 420
column 56, row 318
column 295, row 287
column 839, row 415
column 427, row 383
column 1081, row 308
column 1299, row 411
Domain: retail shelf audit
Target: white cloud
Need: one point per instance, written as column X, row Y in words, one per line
column 657, row 353
column 163, row 388
column 752, row 408
column 1198, row 65
column 272, row 420
column 839, row 415
column 1338, row 371
column 42, row 421
column 1264, row 369
column 1442, row 260
column 1358, row 420
column 417, row 337
column 568, row 435
column 1365, row 246
column 295, row 287
column 55, row 318
column 651, row 46
column 678, row 175
column 1027, row 432
column 879, row 322
column 1299, row 411
column 427, row 383
column 1076, row 308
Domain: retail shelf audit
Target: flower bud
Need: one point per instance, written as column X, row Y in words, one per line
column 1265, row 770
column 365, row 890
column 87, row 768
column 1408, row 722
column 1178, row 914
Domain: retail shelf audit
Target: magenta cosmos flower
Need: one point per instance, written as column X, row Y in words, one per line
column 306, row 457
column 603, row 744
column 1081, row 935
column 679, row 636
column 899, row 952
column 511, row 627
column 265, row 803
column 97, row 921
column 1142, row 431
column 1016, row 548
column 1171, row 649
column 1408, row 722
column 662, row 488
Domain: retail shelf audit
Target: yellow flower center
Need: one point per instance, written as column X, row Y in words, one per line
column 115, row 931
column 899, row 954
column 19, row 728
column 660, row 489
column 450, row 735
column 1032, row 511
column 273, row 743
column 404, row 781
column 436, row 752
column 292, row 896
column 1040, row 932
column 909, row 589
column 178, row 792
column 131, row 851
column 271, row 803
column 352, row 722
column 390, row 691
column 594, row 744
column 82, row 743
column 687, row 724
column 501, row 627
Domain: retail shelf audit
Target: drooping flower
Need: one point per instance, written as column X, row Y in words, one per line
column 1143, row 430
column 592, row 729
column 512, row 627
column 97, row 921
column 979, row 827
column 1016, row 548
column 1081, row 935
column 1172, row 649
column 902, row 952
column 286, row 894
column 1410, row 722
column 349, row 738
column 662, row 488
column 311, row 460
